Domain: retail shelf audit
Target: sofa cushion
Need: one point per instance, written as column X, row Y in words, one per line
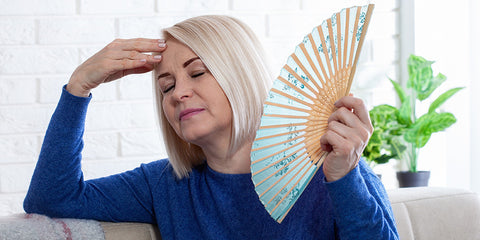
column 436, row 213
column 128, row 231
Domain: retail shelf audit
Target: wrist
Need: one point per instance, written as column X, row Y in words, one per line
column 76, row 89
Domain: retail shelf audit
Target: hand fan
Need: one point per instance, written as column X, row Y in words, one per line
column 286, row 153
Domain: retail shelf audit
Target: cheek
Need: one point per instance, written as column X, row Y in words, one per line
column 169, row 112
column 226, row 110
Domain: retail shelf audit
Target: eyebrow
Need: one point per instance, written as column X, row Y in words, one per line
column 185, row 64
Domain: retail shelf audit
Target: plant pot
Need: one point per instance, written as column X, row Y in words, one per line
column 413, row 179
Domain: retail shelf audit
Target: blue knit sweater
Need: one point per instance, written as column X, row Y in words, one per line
column 207, row 204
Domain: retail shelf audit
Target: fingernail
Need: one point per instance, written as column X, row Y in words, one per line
column 161, row 40
column 157, row 56
column 162, row 45
column 143, row 60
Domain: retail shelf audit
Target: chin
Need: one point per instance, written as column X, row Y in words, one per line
column 193, row 137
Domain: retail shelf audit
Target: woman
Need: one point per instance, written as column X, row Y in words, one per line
column 210, row 81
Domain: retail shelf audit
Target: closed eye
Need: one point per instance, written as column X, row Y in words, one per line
column 197, row 74
column 167, row 89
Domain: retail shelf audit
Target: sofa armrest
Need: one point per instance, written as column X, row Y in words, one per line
column 436, row 213
column 128, row 231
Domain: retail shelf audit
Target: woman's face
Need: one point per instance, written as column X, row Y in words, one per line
column 193, row 102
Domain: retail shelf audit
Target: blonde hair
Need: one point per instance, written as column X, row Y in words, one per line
column 235, row 57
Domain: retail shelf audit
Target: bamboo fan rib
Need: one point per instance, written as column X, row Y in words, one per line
column 286, row 153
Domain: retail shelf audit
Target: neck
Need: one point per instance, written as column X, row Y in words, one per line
column 234, row 163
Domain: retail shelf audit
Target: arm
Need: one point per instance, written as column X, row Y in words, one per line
column 360, row 202
column 57, row 187
column 361, row 206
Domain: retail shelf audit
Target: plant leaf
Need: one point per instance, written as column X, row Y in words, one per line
column 383, row 159
column 441, row 121
column 421, row 78
column 431, row 85
column 383, row 114
column 442, row 98
column 429, row 123
column 418, row 69
column 397, row 147
column 400, row 91
column 405, row 113
column 386, row 127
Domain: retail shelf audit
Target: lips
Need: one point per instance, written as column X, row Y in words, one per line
column 188, row 113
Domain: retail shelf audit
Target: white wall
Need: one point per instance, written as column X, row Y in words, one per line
column 448, row 33
column 42, row 42
column 474, row 63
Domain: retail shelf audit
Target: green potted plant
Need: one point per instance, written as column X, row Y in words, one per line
column 398, row 132
column 384, row 143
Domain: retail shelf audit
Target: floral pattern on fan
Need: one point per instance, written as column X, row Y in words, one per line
column 286, row 153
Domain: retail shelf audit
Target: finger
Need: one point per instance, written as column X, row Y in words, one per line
column 124, row 73
column 324, row 144
column 330, row 140
column 346, row 117
column 350, row 127
column 358, row 107
column 121, row 68
column 144, row 45
column 341, row 129
column 140, row 70
column 134, row 55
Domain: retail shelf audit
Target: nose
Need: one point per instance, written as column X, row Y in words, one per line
column 183, row 89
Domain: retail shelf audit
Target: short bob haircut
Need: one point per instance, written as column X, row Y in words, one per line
column 233, row 54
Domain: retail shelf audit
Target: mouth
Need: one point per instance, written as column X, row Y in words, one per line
column 188, row 113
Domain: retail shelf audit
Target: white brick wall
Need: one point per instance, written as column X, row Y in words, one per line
column 42, row 42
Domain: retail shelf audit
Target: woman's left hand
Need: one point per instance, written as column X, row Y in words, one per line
column 347, row 135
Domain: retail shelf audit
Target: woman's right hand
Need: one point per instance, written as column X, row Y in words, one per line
column 118, row 59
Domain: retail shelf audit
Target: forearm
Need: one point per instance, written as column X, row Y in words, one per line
column 57, row 188
column 58, row 176
column 361, row 207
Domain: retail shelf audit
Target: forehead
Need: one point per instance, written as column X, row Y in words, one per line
column 174, row 55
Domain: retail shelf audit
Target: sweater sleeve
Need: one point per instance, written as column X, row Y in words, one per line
column 361, row 206
column 57, row 188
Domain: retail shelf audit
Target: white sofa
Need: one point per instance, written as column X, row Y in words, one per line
column 421, row 213
column 436, row 213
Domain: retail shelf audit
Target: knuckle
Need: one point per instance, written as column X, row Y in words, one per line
column 113, row 45
column 370, row 129
column 343, row 110
column 345, row 148
column 136, row 45
column 124, row 63
column 332, row 125
column 357, row 102
column 331, row 117
column 132, row 54
column 364, row 134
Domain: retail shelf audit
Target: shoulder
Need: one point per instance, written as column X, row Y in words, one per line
column 157, row 168
column 161, row 172
column 162, row 163
column 164, row 167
